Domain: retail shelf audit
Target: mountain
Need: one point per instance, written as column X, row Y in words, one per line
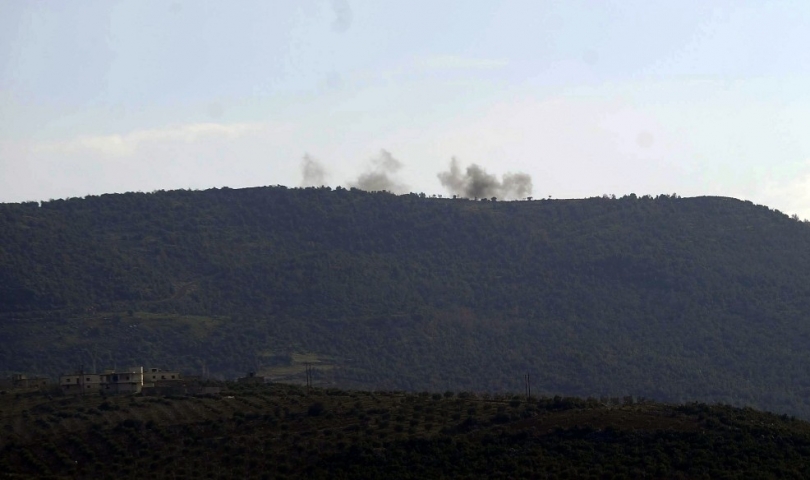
column 675, row 299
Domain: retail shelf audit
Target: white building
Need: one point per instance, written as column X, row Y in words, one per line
column 111, row 381
column 154, row 375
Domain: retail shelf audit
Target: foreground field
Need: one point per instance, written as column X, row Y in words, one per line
column 283, row 431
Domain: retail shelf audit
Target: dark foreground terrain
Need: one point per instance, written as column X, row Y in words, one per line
column 285, row 431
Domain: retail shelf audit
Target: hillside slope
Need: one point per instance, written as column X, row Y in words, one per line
column 284, row 431
column 669, row 298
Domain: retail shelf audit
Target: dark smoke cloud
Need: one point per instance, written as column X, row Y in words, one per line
column 516, row 185
column 313, row 173
column 475, row 182
column 381, row 175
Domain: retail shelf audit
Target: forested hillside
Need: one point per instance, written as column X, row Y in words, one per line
column 287, row 431
column 670, row 298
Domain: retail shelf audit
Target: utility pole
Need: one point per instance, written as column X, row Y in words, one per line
column 527, row 385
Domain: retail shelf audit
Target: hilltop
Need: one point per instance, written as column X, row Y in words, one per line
column 675, row 299
column 285, row 431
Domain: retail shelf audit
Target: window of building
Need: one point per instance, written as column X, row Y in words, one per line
column 172, row 377
column 163, row 377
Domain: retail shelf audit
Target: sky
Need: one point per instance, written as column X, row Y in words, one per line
column 587, row 97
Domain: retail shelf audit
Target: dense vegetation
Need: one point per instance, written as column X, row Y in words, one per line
column 669, row 298
column 285, row 431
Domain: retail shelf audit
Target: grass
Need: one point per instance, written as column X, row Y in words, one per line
column 273, row 431
column 295, row 370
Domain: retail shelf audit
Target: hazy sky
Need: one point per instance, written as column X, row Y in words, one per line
column 588, row 97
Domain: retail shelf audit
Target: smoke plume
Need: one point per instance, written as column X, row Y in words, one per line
column 343, row 15
column 381, row 175
column 313, row 173
column 475, row 182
